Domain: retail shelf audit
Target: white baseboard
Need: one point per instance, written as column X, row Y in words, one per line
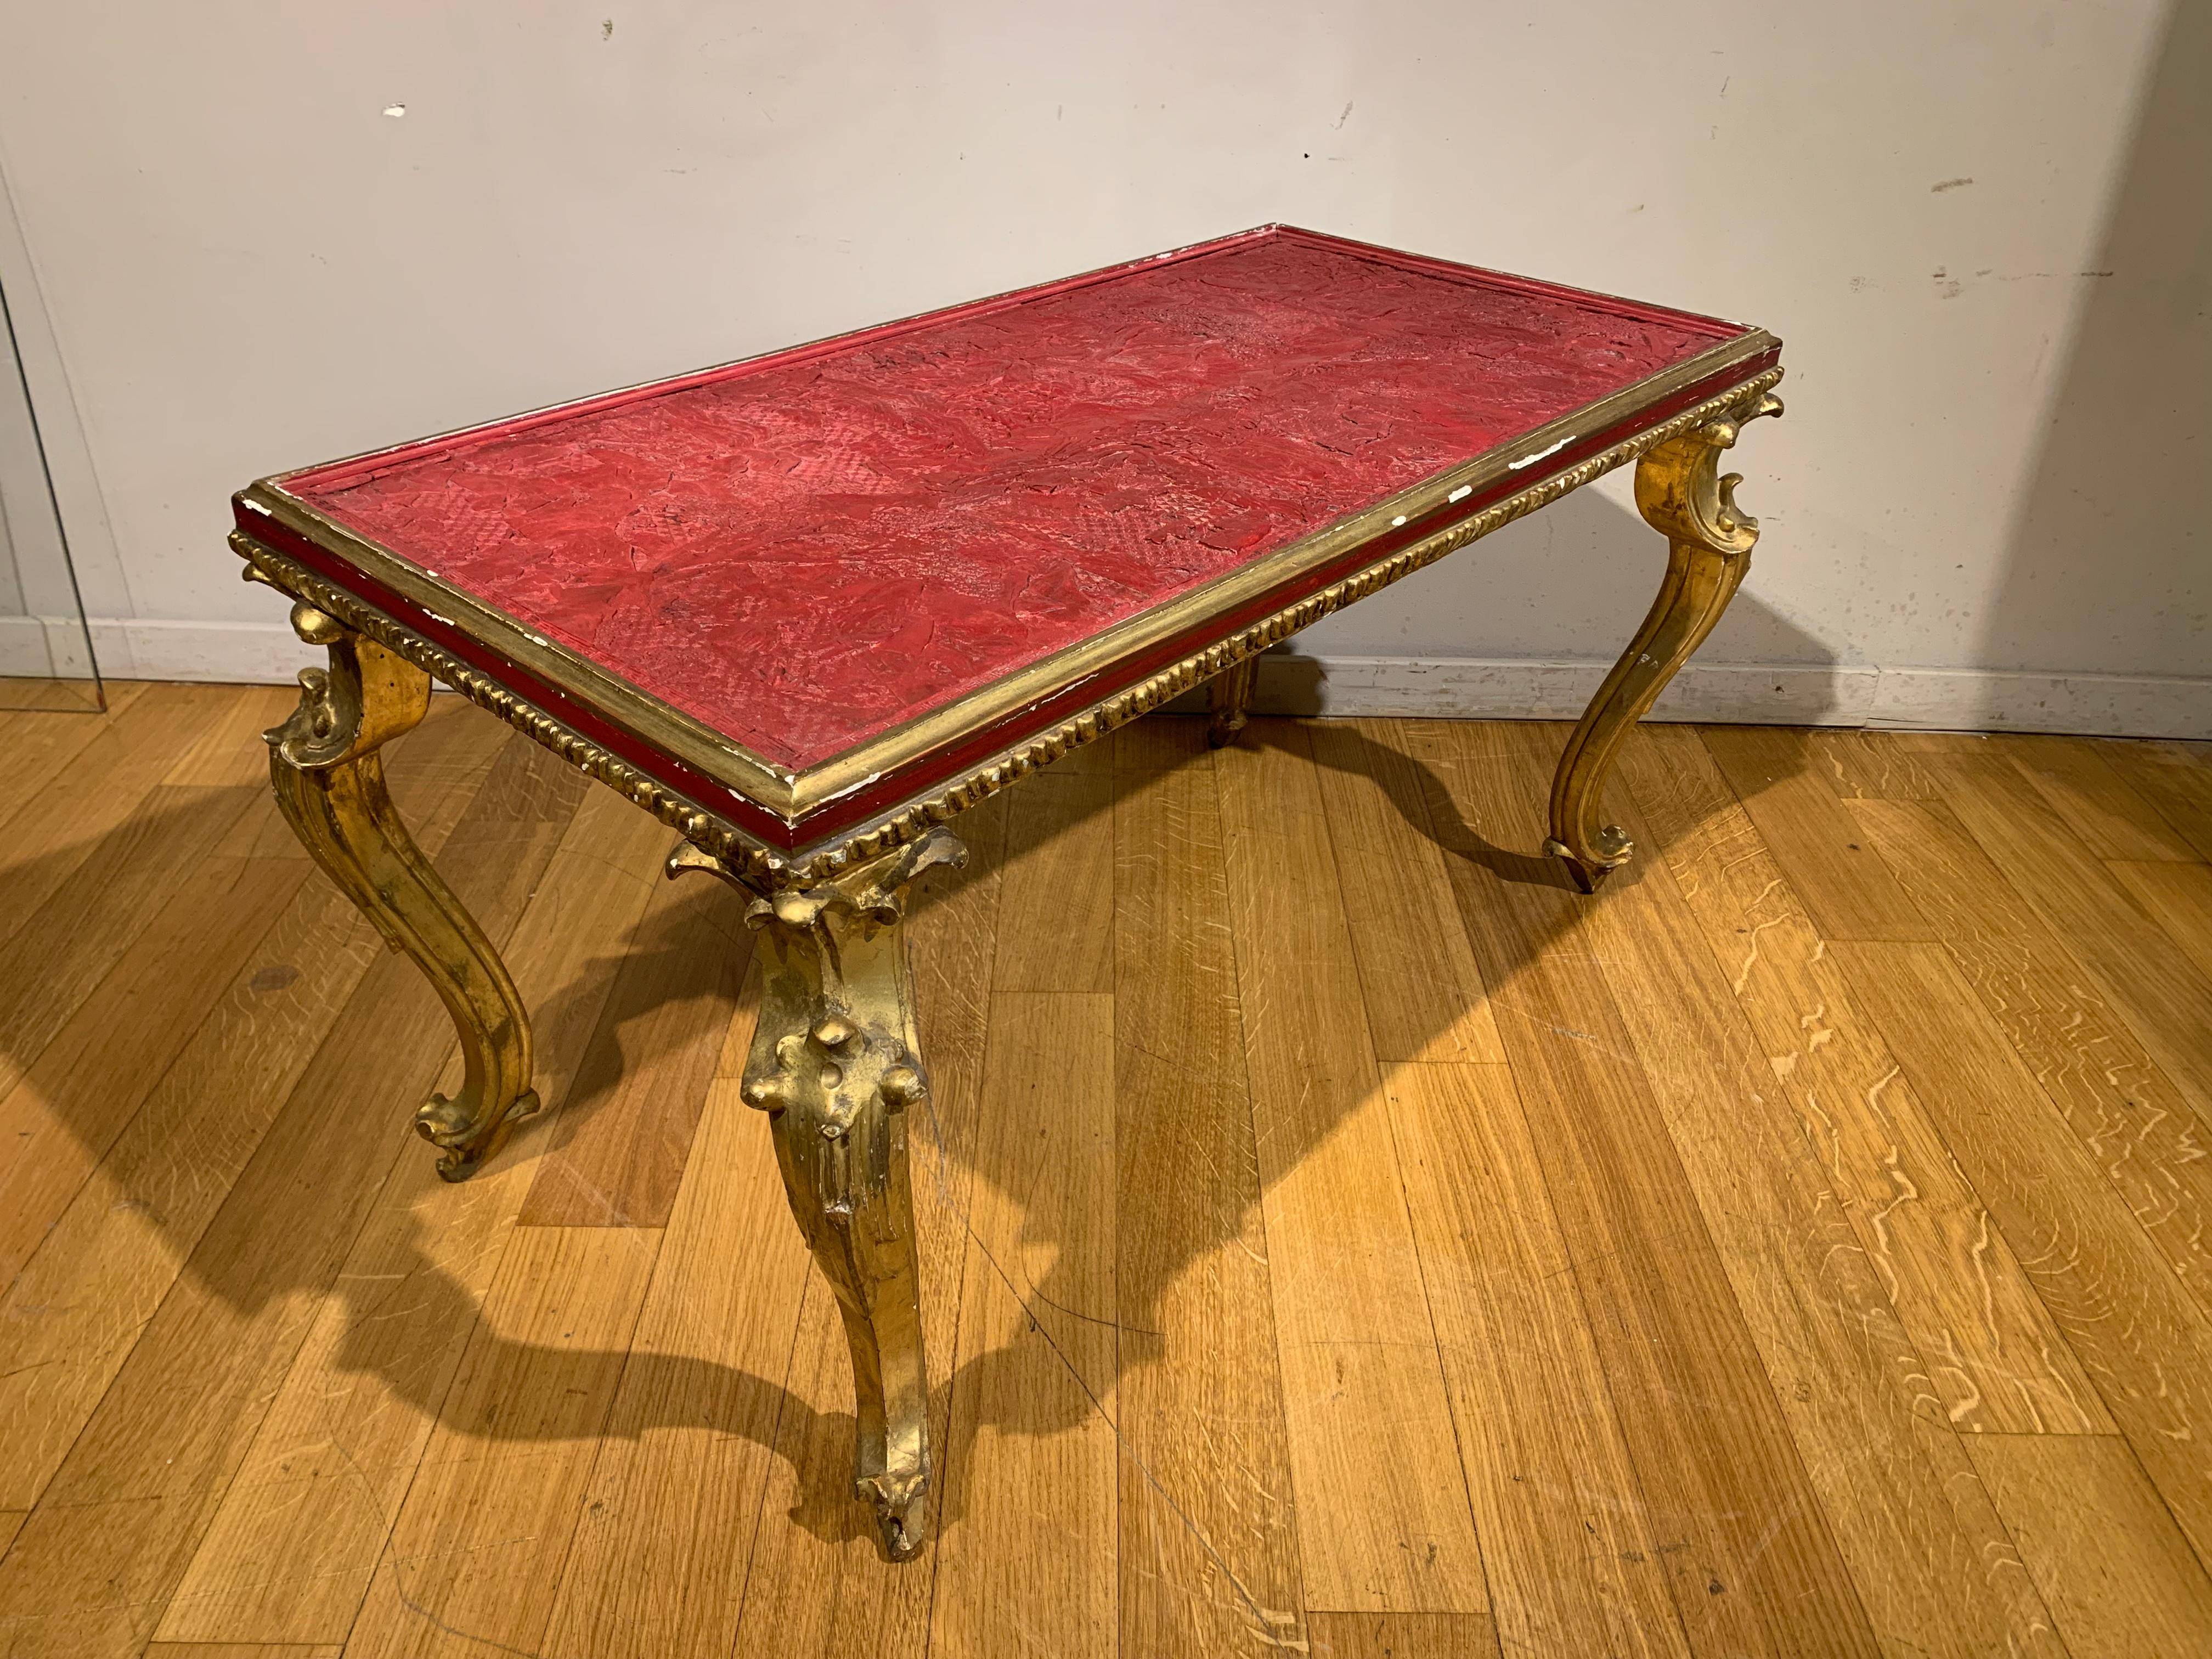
column 1789, row 694
column 1796, row 693
column 254, row 654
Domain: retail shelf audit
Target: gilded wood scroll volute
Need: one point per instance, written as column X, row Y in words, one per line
column 835, row 1063
column 324, row 764
column 1681, row 494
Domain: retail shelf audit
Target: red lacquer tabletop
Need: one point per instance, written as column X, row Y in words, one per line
column 806, row 549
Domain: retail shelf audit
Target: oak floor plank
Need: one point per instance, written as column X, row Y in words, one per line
column 1647, row 1293
column 300, row 1528
column 2146, row 1343
column 45, row 694
column 2172, row 777
column 2118, row 1576
column 2138, row 1127
column 60, row 1120
column 1362, row 1378
column 2111, row 816
column 1760, row 1571
column 1573, row 1562
column 1032, row 1447
column 1424, row 998
column 1403, row 1636
column 2179, row 897
column 231, row 750
column 49, row 838
column 2140, row 971
column 1208, row 1546
column 1876, row 1440
column 140, row 1484
column 661, row 1037
column 674, row 1499
column 38, row 746
column 499, row 1489
column 1992, row 1354
column 1860, row 765
column 816, row 1583
column 1845, row 889
column 1058, row 887
column 51, row 963
column 72, row 1314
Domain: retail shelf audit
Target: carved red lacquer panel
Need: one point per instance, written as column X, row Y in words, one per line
column 807, row 550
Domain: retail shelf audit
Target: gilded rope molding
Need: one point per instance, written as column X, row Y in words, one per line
column 767, row 870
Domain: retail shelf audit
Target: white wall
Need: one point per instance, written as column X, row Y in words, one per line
column 246, row 265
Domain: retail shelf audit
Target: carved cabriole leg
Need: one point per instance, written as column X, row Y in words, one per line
column 329, row 778
column 1229, row 697
column 835, row 1064
column 1681, row 497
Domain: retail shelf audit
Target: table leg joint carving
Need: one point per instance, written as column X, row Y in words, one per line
column 325, row 767
column 1229, row 697
column 1682, row 494
column 835, row 1064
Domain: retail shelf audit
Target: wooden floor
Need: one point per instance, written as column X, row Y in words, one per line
column 1338, row 1238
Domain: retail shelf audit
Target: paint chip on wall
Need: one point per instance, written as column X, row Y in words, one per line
column 395, row 110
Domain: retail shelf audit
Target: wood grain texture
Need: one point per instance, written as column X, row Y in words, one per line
column 501, row 1487
column 1875, row 1438
column 36, row 747
column 53, row 961
column 674, row 1498
column 1207, row 1554
column 1379, row 1530
column 1660, row 1330
column 1867, row 766
column 1425, row 996
column 1992, row 1354
column 140, row 1483
column 2146, row 1344
column 2153, row 982
column 1058, row 889
column 291, row 1550
column 1032, row 1447
column 1844, row 887
column 1758, row 1569
column 2140, row 1129
column 1569, row 1549
column 2120, row 1579
column 2089, row 795
column 1402, row 1636
column 2179, row 897
column 2174, row 777
column 70, row 817
column 88, row 1295
column 617, row 1161
column 61, row 1119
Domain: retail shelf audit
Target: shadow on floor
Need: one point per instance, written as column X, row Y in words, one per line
column 742, row 1403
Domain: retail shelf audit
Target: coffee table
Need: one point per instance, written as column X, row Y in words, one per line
column 808, row 608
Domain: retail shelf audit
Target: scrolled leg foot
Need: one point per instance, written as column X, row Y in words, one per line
column 328, row 774
column 1681, row 494
column 835, row 1065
